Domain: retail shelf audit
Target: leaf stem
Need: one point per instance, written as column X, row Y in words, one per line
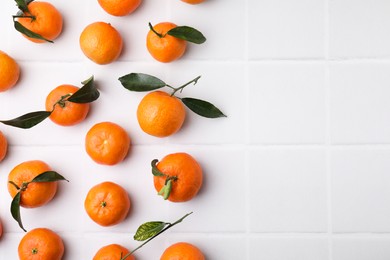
column 14, row 184
column 153, row 30
column 165, row 229
column 32, row 17
column 61, row 102
column 195, row 80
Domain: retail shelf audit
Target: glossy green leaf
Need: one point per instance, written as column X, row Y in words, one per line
column 49, row 176
column 22, row 5
column 141, row 82
column 20, row 28
column 155, row 170
column 86, row 94
column 148, row 230
column 188, row 34
column 15, row 210
column 202, row 108
column 28, row 120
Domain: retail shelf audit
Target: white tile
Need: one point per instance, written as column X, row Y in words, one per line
column 222, row 23
column 359, row 103
column 291, row 248
column 359, row 28
column 283, row 29
column 360, row 188
column 288, row 190
column 361, row 248
column 287, row 103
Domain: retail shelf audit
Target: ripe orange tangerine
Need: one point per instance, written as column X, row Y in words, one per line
column 9, row 72
column 182, row 251
column 65, row 113
column 119, row 7
column 193, row 2
column 164, row 47
column 46, row 21
column 112, row 252
column 3, row 146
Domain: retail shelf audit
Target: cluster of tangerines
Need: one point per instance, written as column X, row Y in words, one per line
column 177, row 177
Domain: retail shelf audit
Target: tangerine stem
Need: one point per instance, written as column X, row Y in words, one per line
column 153, row 30
column 14, row 184
column 165, row 229
column 195, row 80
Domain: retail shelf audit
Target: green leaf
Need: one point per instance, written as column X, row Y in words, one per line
column 49, row 176
column 155, row 170
column 188, row 34
column 202, row 108
column 86, row 94
column 141, row 82
column 15, row 210
column 28, row 120
column 22, row 5
column 166, row 189
column 148, row 230
column 20, row 28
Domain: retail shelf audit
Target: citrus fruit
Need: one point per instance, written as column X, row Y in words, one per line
column 107, row 204
column 36, row 194
column 46, row 21
column 193, row 2
column 160, row 114
column 101, row 42
column 164, row 47
column 3, row 146
column 42, row 244
column 185, row 174
column 1, row 228
column 112, row 252
column 119, row 7
column 107, row 143
column 65, row 113
column 182, row 251
column 9, row 72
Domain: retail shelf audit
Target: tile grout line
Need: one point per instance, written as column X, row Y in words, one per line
column 328, row 127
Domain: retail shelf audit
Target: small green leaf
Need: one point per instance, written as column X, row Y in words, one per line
column 86, row 94
column 20, row 28
column 141, row 82
column 188, row 34
column 15, row 210
column 148, row 230
column 166, row 189
column 22, row 5
column 49, row 176
column 28, row 120
column 202, row 108
column 155, row 170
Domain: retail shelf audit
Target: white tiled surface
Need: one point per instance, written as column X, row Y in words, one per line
column 298, row 170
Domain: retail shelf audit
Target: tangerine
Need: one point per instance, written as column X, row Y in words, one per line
column 42, row 244
column 162, row 46
column 160, row 114
column 3, row 146
column 119, row 7
column 112, row 252
column 1, row 228
column 193, row 2
column 64, row 112
column 46, row 21
column 9, row 72
column 185, row 175
column 101, row 42
column 182, row 251
column 107, row 143
column 34, row 194
column 107, row 204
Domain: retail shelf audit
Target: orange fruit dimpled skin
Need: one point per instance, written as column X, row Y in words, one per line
column 193, row 2
column 188, row 172
column 42, row 244
column 166, row 48
column 112, row 252
column 9, row 72
column 107, row 143
column 65, row 113
column 47, row 22
column 160, row 115
column 107, row 204
column 119, row 7
column 3, row 146
column 101, row 43
column 38, row 193
column 182, row 251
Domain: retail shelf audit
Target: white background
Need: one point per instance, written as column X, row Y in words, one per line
column 298, row 171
